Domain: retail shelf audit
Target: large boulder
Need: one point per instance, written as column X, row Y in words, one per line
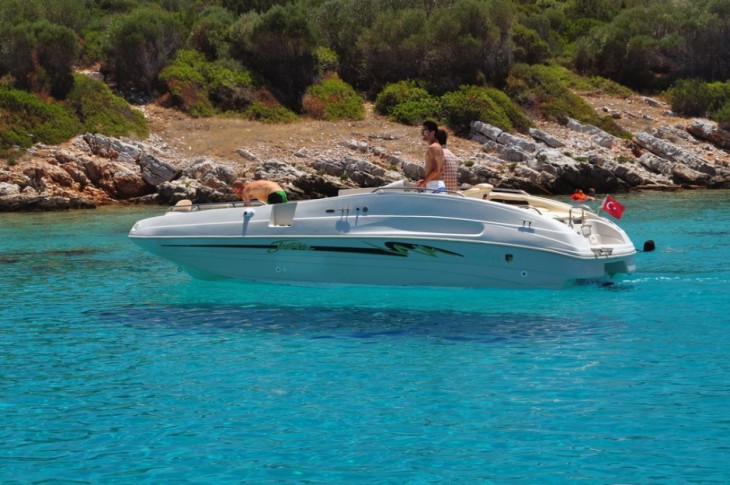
column 673, row 153
column 546, row 138
column 9, row 190
column 118, row 179
column 156, row 171
column 186, row 188
column 112, row 148
column 210, row 173
column 705, row 130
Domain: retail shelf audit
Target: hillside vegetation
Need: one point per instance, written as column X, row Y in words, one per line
column 503, row 62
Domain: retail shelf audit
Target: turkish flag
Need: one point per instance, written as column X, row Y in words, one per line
column 613, row 207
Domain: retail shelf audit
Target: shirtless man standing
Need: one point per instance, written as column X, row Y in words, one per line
column 263, row 190
column 434, row 167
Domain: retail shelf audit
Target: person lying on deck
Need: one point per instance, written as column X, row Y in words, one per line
column 264, row 190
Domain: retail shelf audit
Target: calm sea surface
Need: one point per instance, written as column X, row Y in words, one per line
column 117, row 368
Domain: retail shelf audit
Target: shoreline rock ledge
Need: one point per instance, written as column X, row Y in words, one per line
column 93, row 170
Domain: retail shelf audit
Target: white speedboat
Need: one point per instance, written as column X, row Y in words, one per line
column 395, row 236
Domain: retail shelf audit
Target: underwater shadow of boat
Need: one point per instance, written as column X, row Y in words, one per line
column 352, row 323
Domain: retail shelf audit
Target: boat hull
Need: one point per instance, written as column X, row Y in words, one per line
column 381, row 261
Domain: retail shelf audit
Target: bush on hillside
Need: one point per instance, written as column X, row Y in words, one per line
column 722, row 116
column 517, row 117
column 407, row 102
column 690, row 97
column 571, row 80
column 269, row 113
column 414, row 112
column 101, row 111
column 470, row 103
column 333, row 99
column 540, row 90
column 693, row 97
column 326, row 60
column 200, row 87
column 230, row 86
column 25, row 120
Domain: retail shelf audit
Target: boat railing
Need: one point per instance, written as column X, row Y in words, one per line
column 186, row 205
column 418, row 190
column 580, row 216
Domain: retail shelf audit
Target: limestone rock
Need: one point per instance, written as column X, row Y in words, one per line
column 9, row 190
column 247, row 154
column 710, row 132
column 547, row 139
column 210, row 173
column 487, row 130
column 156, row 171
column 112, row 148
column 673, row 153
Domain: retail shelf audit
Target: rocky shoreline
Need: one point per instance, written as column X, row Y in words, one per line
column 93, row 170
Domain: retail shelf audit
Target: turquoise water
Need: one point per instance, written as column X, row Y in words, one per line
column 117, row 368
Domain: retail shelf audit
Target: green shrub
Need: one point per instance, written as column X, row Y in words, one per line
column 414, row 112
column 517, row 117
column 719, row 94
column 333, row 99
column 198, row 86
column 230, row 86
column 269, row 113
column 722, row 116
column 397, row 93
column 542, row 91
column 101, row 111
column 25, row 120
column 326, row 61
column 690, row 97
column 489, row 105
column 187, row 85
column 407, row 102
column 584, row 84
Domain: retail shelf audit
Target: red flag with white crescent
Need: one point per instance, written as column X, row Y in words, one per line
column 612, row 207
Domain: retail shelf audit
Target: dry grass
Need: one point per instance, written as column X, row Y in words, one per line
column 220, row 137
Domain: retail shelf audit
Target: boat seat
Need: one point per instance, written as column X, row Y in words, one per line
column 184, row 205
column 479, row 191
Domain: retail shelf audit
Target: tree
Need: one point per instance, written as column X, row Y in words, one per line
column 139, row 46
column 393, row 48
column 469, row 43
column 641, row 55
column 39, row 56
column 280, row 45
column 209, row 34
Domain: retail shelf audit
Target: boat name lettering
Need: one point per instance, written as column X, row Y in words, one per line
column 290, row 245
